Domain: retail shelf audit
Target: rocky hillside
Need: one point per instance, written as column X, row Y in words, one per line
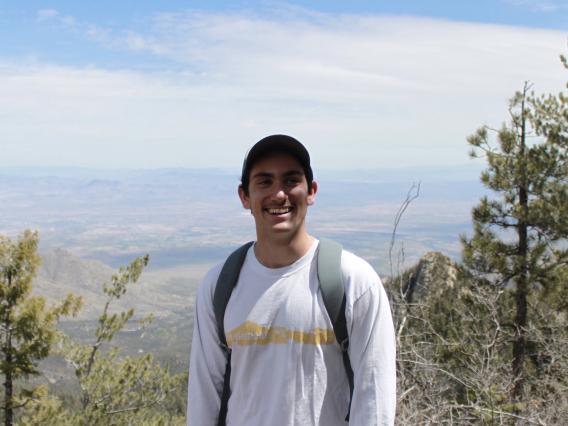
column 163, row 292
column 434, row 273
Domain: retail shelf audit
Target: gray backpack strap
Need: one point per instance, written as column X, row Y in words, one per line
column 329, row 275
column 333, row 292
column 225, row 284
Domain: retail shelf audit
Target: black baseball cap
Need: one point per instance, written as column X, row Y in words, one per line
column 277, row 144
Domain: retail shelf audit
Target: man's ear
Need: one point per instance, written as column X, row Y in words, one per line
column 244, row 198
column 312, row 193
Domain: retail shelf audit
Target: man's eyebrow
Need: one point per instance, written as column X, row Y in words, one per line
column 294, row 173
column 262, row 174
column 271, row 175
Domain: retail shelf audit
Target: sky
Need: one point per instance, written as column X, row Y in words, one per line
column 364, row 84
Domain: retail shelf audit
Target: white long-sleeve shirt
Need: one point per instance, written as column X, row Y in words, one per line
column 286, row 366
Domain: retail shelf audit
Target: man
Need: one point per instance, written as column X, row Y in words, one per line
column 286, row 365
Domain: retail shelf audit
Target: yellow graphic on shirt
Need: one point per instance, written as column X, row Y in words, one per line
column 250, row 333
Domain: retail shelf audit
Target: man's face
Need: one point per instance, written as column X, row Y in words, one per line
column 278, row 197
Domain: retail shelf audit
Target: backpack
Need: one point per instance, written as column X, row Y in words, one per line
column 331, row 287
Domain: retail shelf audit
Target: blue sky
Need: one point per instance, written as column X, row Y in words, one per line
column 150, row 84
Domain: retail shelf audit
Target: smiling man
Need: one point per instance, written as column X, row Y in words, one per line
column 274, row 343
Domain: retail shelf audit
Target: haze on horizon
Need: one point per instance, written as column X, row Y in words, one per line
column 363, row 85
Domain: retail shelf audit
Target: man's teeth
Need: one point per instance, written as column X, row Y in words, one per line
column 280, row 211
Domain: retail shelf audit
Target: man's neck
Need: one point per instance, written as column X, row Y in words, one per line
column 280, row 253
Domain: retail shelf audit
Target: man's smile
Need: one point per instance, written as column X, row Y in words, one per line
column 279, row 210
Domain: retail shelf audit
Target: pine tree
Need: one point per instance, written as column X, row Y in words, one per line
column 27, row 324
column 114, row 389
column 519, row 237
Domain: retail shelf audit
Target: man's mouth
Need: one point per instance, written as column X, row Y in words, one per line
column 279, row 210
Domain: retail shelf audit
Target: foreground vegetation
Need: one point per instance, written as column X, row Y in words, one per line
column 109, row 388
column 485, row 341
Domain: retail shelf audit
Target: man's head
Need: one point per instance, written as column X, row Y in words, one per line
column 277, row 187
column 276, row 144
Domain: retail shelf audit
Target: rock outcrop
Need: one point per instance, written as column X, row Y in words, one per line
column 434, row 273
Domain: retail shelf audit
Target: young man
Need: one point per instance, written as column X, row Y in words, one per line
column 286, row 365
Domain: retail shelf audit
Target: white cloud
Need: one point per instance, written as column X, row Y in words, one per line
column 544, row 6
column 46, row 14
column 361, row 91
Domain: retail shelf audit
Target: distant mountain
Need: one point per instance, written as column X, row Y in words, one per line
column 60, row 266
column 163, row 293
column 184, row 216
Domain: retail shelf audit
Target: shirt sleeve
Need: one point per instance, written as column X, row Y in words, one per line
column 207, row 360
column 372, row 352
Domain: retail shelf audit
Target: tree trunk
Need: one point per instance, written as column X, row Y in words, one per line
column 9, row 382
column 8, row 394
column 520, row 343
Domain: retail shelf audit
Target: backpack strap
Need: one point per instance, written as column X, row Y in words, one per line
column 333, row 292
column 225, row 284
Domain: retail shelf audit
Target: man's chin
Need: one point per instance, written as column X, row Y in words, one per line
column 281, row 228
column 281, row 231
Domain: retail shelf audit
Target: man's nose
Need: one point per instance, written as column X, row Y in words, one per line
column 279, row 194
